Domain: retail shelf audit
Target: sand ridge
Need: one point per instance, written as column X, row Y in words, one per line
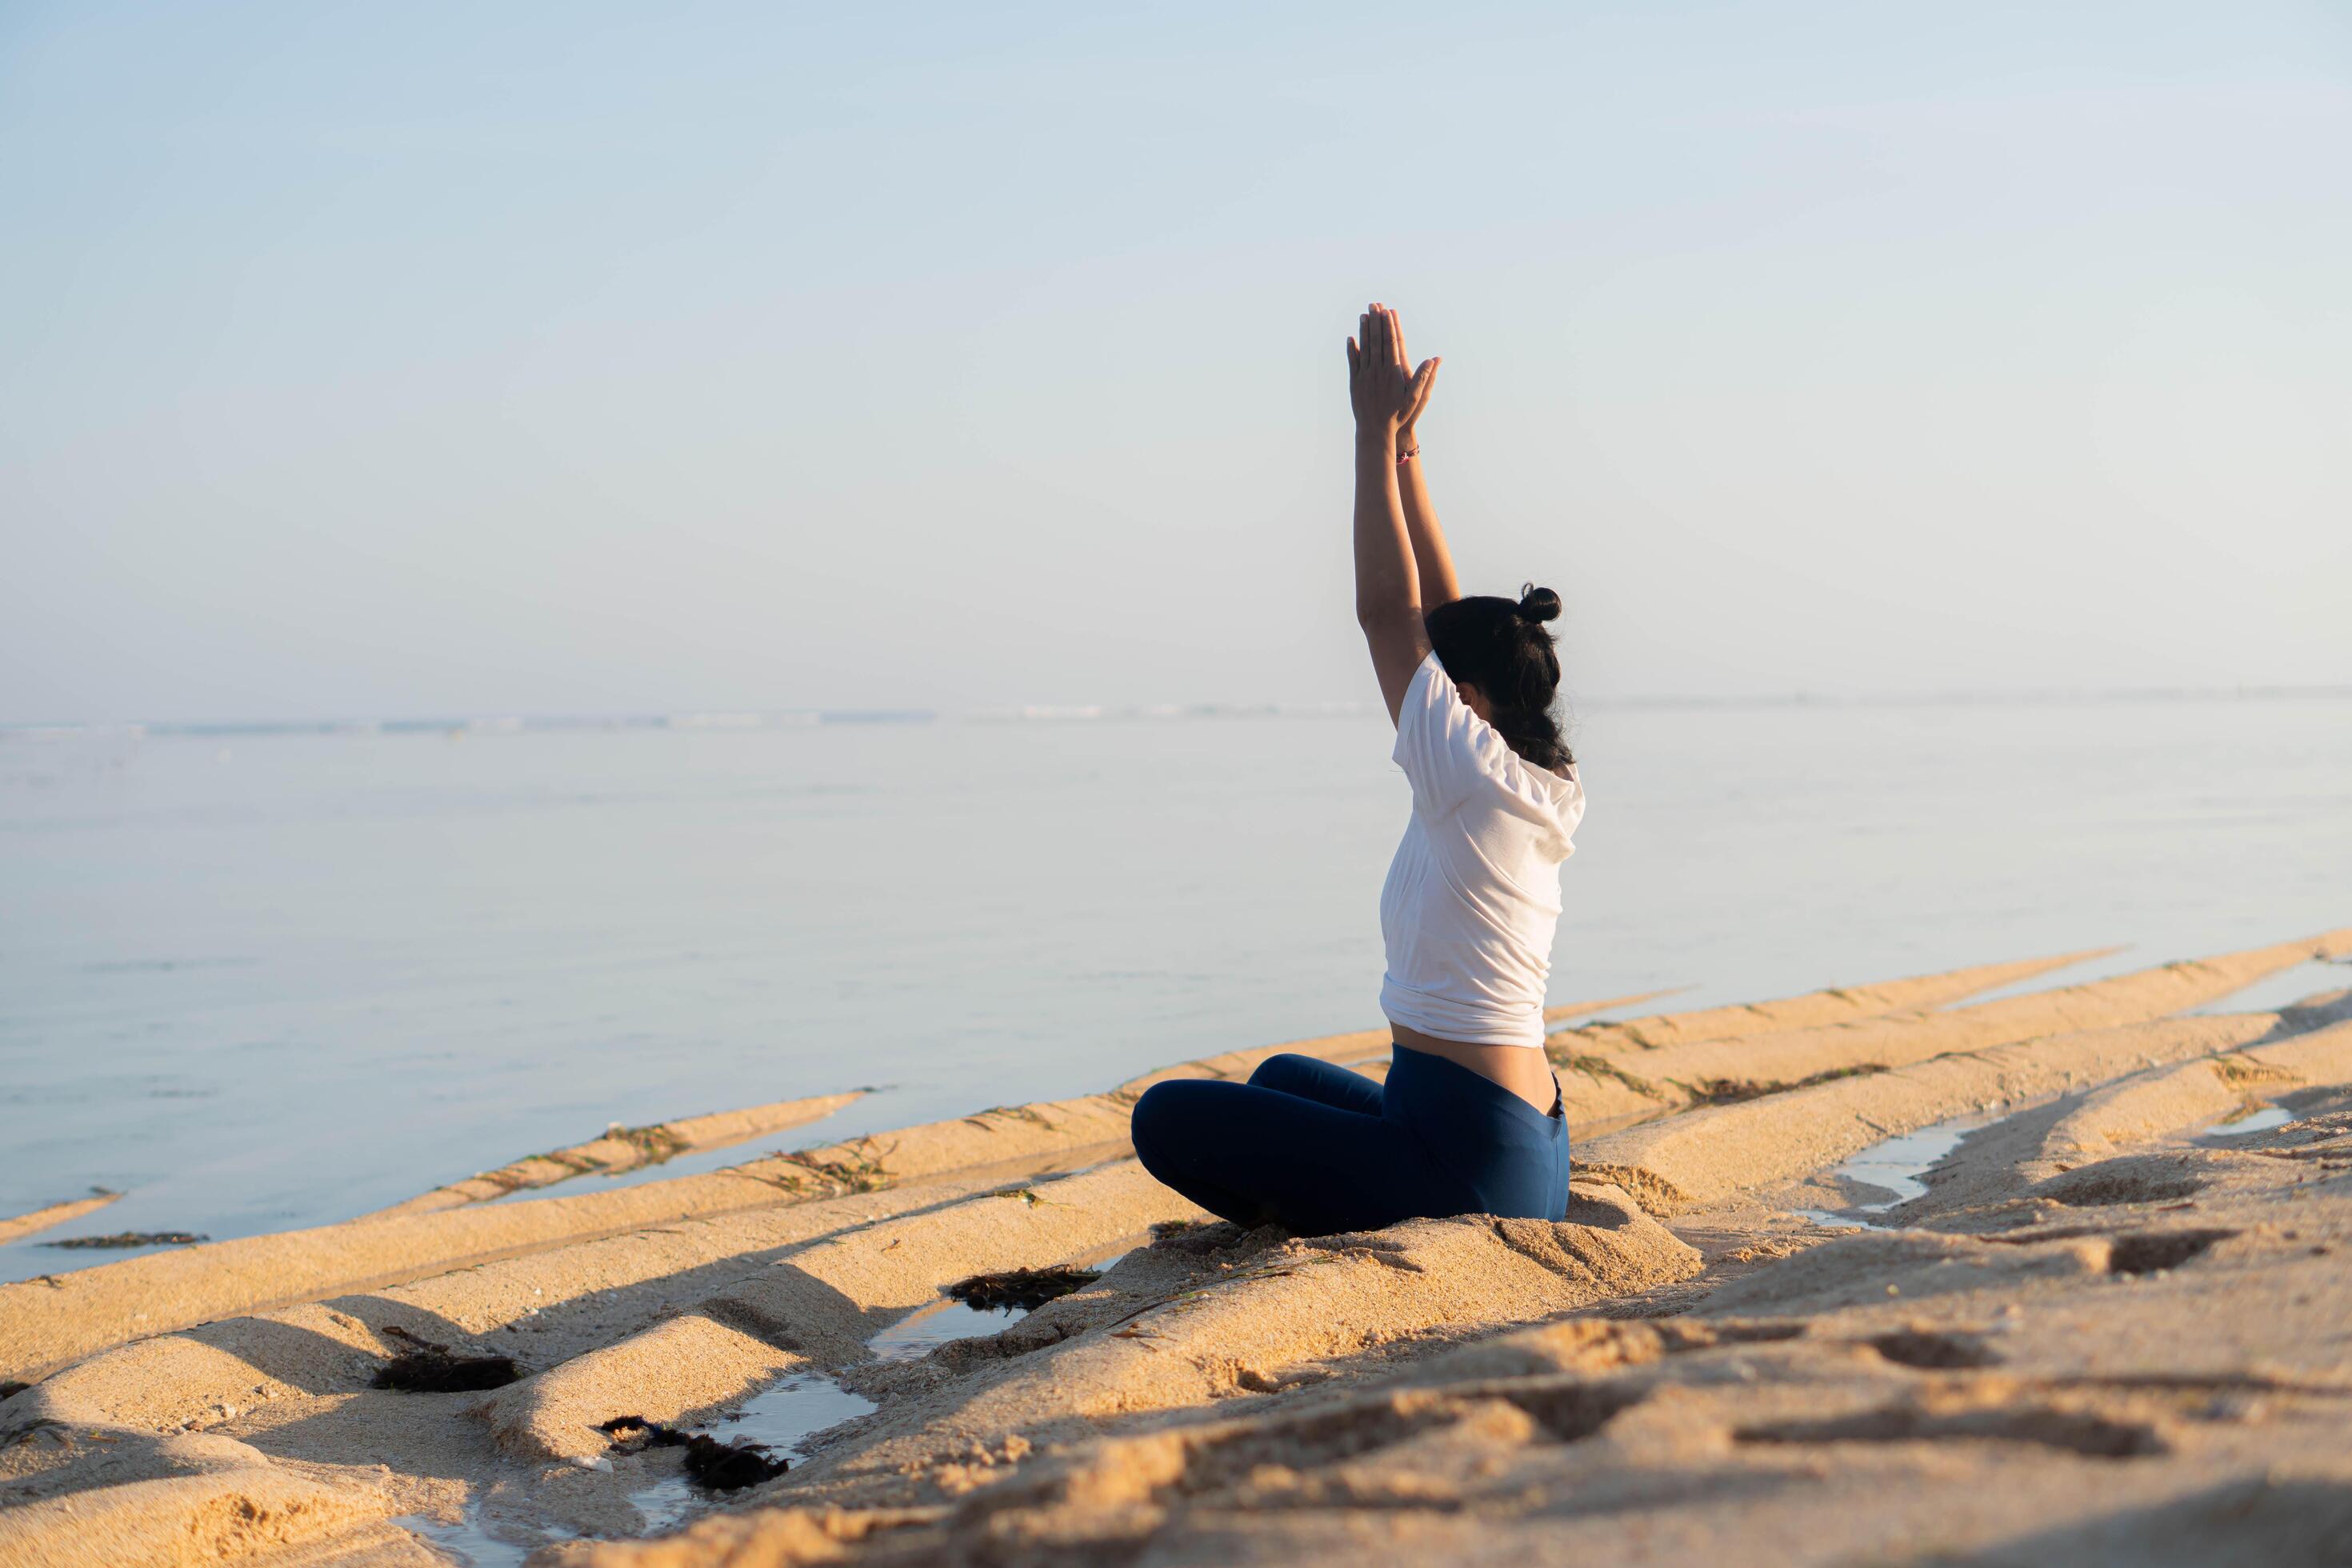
column 49, row 1216
column 1813, row 1010
column 47, row 1321
column 1680, row 1366
column 2153, row 1380
column 625, row 1149
column 1599, row 1087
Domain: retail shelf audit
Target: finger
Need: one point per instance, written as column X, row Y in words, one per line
column 1421, row 379
column 1355, row 360
column 1396, row 326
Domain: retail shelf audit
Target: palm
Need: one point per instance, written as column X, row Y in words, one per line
column 1380, row 387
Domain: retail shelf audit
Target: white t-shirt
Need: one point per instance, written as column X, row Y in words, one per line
column 1473, row 897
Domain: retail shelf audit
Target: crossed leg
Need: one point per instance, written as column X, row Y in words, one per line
column 1303, row 1144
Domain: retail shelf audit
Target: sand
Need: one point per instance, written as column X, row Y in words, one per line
column 2110, row 1329
column 623, row 1149
column 47, row 1321
column 49, row 1215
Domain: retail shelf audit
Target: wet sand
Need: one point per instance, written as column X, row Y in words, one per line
column 2114, row 1302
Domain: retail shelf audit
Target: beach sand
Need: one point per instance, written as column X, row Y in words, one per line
column 1874, row 1274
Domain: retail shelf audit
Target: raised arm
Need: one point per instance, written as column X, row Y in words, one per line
column 1438, row 584
column 1388, row 597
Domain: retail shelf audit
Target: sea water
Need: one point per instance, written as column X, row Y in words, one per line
column 261, row 980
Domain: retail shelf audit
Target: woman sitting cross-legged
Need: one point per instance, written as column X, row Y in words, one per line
column 1469, row 1119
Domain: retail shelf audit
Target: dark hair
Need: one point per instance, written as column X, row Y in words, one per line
column 1502, row 648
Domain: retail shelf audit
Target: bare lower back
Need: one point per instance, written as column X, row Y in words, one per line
column 1522, row 1069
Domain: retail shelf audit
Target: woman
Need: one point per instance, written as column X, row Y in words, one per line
column 1469, row 1119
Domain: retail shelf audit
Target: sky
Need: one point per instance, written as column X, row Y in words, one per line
column 386, row 361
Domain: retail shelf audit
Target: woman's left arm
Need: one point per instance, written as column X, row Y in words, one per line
column 1388, row 595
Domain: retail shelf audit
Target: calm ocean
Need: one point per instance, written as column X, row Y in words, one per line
column 263, row 980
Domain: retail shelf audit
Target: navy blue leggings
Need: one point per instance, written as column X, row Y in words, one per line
column 1316, row 1149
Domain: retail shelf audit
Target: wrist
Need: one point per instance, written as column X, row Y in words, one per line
column 1376, row 435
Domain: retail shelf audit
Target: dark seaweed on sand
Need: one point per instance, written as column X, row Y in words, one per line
column 1733, row 1090
column 436, row 1372
column 1027, row 1289
column 721, row 1467
column 433, row 1368
column 132, row 1238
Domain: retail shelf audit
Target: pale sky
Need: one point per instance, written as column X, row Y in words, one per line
column 413, row 360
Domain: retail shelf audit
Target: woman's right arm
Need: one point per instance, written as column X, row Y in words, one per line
column 1438, row 584
column 1388, row 595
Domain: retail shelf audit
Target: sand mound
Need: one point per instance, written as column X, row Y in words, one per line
column 1813, row 1010
column 1604, row 1086
column 2140, row 1382
column 1707, row 1154
column 2114, row 1349
column 626, row 1149
column 41, row 1219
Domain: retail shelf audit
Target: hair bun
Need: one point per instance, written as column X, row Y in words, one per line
column 1538, row 604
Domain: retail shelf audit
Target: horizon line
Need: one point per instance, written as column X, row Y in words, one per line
column 809, row 718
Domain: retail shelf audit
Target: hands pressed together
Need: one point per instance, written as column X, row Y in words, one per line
column 1388, row 398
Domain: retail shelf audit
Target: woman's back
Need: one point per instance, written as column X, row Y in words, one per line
column 1471, row 900
column 1469, row 1118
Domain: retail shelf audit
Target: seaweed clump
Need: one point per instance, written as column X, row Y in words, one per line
column 433, row 1368
column 1026, row 1289
column 655, row 1145
column 721, row 1467
column 133, row 1238
column 1733, row 1090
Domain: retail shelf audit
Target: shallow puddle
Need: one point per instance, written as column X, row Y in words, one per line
column 465, row 1541
column 913, row 1338
column 1894, row 1165
column 2281, row 988
column 2257, row 1121
column 781, row 1418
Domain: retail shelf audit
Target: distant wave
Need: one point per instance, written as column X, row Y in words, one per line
column 716, row 721
column 1045, row 713
column 1088, row 714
